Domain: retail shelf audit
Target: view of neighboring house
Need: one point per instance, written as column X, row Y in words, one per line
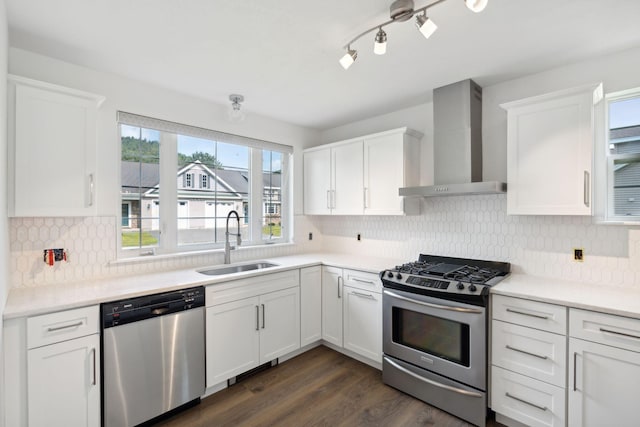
column 626, row 140
column 205, row 197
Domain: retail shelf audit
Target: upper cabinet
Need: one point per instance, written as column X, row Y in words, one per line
column 362, row 176
column 52, row 149
column 550, row 140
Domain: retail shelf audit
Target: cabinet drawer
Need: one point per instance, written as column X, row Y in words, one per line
column 62, row 326
column 235, row 290
column 536, row 354
column 533, row 314
column 362, row 280
column 531, row 402
column 608, row 329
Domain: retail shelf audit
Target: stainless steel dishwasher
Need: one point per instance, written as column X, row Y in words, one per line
column 153, row 357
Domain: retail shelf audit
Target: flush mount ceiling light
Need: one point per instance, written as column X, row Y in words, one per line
column 235, row 114
column 400, row 11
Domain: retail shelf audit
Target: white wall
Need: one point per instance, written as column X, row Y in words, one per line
column 477, row 226
column 4, row 224
column 91, row 241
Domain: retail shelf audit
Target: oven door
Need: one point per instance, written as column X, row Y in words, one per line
column 441, row 336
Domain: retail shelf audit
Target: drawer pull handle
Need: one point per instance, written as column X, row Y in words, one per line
column 537, row 316
column 262, row 315
column 339, row 278
column 526, row 352
column 609, row 331
column 367, row 296
column 575, row 361
column 257, row 318
column 542, row 408
column 95, row 377
column 355, row 279
column 59, row 328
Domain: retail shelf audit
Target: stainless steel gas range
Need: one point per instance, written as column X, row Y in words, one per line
column 435, row 320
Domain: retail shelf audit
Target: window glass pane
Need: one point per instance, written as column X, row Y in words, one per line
column 624, row 147
column 271, row 194
column 140, row 187
column 213, row 180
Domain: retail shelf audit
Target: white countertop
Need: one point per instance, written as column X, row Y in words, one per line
column 44, row 299
column 606, row 299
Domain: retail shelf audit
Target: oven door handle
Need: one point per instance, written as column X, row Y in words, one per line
column 431, row 382
column 428, row 304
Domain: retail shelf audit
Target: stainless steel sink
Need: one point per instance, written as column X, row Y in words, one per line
column 218, row 271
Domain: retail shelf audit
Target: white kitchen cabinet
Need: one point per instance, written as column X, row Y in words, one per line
column 332, row 294
column 63, row 369
column 550, row 142
column 604, row 369
column 363, row 175
column 363, row 322
column 391, row 161
column 344, row 195
column 310, row 305
column 250, row 322
column 52, row 149
column 528, row 361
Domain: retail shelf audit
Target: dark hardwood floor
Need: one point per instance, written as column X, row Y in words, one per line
column 318, row 388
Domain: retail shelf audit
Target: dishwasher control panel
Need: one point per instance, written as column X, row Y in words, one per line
column 129, row 310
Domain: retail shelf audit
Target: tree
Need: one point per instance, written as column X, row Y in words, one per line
column 140, row 150
column 205, row 158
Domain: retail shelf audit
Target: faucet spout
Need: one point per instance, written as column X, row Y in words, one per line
column 227, row 246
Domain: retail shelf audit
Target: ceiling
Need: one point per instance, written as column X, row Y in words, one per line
column 282, row 55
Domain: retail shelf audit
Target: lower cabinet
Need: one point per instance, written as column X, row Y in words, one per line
column 244, row 333
column 63, row 369
column 332, row 305
column 310, row 305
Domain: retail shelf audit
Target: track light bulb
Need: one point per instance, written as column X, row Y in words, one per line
column 426, row 26
column 380, row 45
column 476, row 5
column 349, row 58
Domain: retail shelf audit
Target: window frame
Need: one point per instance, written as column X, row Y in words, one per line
column 168, row 188
column 610, row 160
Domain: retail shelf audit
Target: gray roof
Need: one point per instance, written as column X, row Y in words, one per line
column 625, row 132
column 238, row 180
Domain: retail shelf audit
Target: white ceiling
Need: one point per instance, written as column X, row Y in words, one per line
column 282, row 55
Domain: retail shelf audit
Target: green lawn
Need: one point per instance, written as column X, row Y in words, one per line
column 132, row 238
column 276, row 230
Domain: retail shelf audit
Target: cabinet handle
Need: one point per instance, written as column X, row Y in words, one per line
column 339, row 277
column 526, row 352
column 609, row 331
column 355, row 279
column 328, row 199
column 333, row 199
column 262, row 315
column 575, row 357
column 542, row 408
column 367, row 296
column 257, row 318
column 91, row 187
column 527, row 314
column 365, row 193
column 586, row 188
column 95, row 378
column 59, row 328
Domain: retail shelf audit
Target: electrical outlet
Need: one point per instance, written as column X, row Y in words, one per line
column 310, row 236
column 578, row 254
column 358, row 237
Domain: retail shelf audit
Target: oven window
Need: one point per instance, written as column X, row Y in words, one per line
column 434, row 335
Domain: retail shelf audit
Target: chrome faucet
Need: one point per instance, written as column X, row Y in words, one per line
column 227, row 246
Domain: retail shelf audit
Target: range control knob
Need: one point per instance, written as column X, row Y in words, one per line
column 398, row 276
column 472, row 288
column 390, row 274
column 460, row 285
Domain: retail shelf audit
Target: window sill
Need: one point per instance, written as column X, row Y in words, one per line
column 177, row 255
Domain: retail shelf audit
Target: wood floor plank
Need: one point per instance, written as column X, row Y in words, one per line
column 320, row 387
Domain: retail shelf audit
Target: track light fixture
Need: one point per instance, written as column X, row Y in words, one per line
column 400, row 11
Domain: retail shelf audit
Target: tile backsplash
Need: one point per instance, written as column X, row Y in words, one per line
column 460, row 226
column 478, row 227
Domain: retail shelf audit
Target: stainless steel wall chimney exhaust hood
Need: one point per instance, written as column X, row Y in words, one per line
column 457, row 144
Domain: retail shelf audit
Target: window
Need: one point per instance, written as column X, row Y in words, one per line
column 623, row 156
column 200, row 176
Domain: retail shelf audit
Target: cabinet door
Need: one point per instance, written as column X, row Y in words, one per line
column 549, row 154
column 233, row 339
column 363, row 323
column 279, row 323
column 332, row 305
column 310, row 305
column 54, row 153
column 390, row 162
column 317, row 182
column 64, row 383
column 602, row 385
column 347, row 185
